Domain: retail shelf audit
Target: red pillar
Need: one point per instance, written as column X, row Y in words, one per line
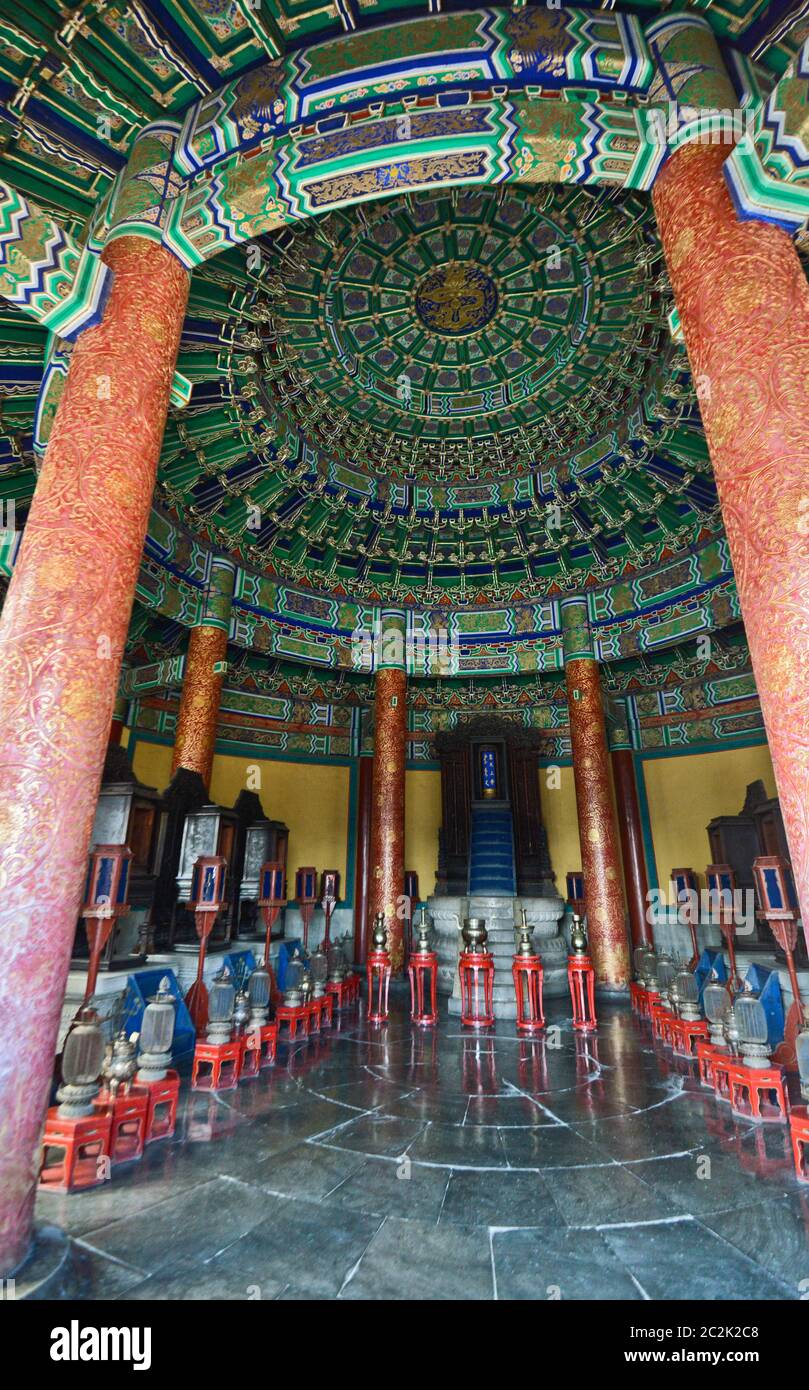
column 205, row 666
column 387, row 809
column 62, row 634
column 631, row 834
column 601, row 865
column 743, row 301
column 362, row 871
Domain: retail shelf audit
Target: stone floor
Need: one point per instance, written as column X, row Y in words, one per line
column 393, row 1163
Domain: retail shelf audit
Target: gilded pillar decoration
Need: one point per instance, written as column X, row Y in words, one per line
column 388, row 803
column 62, row 634
column 743, row 301
column 630, row 829
column 597, row 834
column 205, row 666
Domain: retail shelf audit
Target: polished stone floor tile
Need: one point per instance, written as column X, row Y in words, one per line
column 775, row 1234
column 414, row 1260
column 515, row 1199
column 394, row 1187
column 681, row 1258
column 554, row 1263
column 185, row 1228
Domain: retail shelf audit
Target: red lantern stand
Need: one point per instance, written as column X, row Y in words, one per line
column 270, row 900
column 581, row 979
column 423, row 972
column 476, row 970
column 721, row 880
column 206, row 901
column 378, row 970
column 526, row 972
column 306, row 898
column 686, row 896
column 329, row 897
column 105, row 898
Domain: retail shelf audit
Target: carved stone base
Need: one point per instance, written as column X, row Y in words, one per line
column 500, row 915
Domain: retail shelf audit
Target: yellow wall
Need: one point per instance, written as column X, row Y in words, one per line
column 422, row 820
column 560, row 821
column 685, row 793
column 311, row 798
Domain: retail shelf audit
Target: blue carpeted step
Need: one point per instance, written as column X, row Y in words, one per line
column 491, row 852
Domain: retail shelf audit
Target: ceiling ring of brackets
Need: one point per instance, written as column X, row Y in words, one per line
column 552, row 95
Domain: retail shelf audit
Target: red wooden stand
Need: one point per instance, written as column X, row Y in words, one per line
column 707, row 1057
column 642, row 999
column 476, row 969
column 799, row 1133
column 527, row 974
column 685, row 1033
column 217, row 1066
column 378, row 970
column 129, row 1112
column 293, row 1015
column 759, row 1093
column 662, row 1020
column 423, row 973
column 581, row 978
column 161, row 1118
column 81, row 1143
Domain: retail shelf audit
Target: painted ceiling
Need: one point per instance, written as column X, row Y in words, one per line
column 468, row 401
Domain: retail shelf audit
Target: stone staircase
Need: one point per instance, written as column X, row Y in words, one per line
column 491, row 852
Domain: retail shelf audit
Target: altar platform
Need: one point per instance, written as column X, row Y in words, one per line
column 414, row 1164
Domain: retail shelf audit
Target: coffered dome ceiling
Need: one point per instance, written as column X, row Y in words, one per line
column 458, row 396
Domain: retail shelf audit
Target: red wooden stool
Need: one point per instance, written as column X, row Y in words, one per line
column 759, row 1093
column 75, row 1153
column 292, row 1015
column 161, row 1118
column 799, row 1133
column 327, row 1011
column 130, row 1116
column 686, row 1033
column 217, row 1066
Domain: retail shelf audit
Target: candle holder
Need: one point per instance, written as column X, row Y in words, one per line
column 423, row 973
column 206, row 901
column 527, row 974
column 106, row 896
column 581, row 978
